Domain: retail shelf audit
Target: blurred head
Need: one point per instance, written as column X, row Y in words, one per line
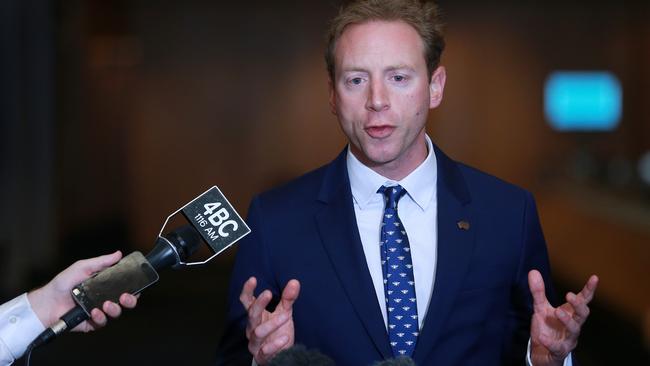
column 423, row 16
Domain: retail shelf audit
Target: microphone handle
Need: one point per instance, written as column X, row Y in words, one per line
column 74, row 317
column 69, row 320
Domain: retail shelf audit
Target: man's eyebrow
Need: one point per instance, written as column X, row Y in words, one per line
column 400, row 67
column 353, row 69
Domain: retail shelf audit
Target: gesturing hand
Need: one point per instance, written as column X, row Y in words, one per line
column 269, row 333
column 554, row 331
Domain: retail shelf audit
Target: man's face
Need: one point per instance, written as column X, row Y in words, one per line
column 382, row 93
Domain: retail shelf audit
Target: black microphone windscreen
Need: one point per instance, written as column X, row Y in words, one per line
column 298, row 355
column 399, row 361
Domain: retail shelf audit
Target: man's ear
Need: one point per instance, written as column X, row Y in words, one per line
column 332, row 95
column 437, row 86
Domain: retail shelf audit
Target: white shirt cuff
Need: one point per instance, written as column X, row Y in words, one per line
column 567, row 360
column 19, row 325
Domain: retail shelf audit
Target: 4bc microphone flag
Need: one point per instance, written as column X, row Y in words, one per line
column 215, row 219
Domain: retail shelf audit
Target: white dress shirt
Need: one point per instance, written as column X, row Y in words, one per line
column 19, row 326
column 418, row 211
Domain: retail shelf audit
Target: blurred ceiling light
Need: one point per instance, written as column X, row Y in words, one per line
column 583, row 101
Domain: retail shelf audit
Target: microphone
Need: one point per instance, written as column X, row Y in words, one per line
column 133, row 272
column 298, row 355
column 213, row 220
column 399, row 361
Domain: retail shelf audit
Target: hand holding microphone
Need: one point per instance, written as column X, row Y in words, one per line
column 51, row 301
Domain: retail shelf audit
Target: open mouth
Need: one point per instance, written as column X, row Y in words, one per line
column 379, row 132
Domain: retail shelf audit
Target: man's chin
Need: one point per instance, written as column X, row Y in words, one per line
column 379, row 159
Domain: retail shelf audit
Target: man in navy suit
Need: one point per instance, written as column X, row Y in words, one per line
column 473, row 245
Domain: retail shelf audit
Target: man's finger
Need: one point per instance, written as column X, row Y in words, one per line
column 289, row 294
column 257, row 309
column 97, row 264
column 256, row 337
column 271, row 325
column 98, row 317
column 579, row 306
column 536, row 285
column 112, row 309
column 82, row 269
column 590, row 288
column 246, row 297
column 569, row 322
column 128, row 301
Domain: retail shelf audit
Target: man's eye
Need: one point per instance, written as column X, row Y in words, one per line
column 399, row 78
column 356, row 81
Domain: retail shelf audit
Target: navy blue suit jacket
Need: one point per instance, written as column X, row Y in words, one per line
column 480, row 309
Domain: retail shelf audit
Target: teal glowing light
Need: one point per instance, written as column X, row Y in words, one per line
column 583, row 101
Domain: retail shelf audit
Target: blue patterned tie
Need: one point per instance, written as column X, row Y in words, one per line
column 399, row 285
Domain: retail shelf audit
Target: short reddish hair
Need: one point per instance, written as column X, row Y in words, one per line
column 423, row 16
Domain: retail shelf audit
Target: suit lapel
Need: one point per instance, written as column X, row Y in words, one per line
column 455, row 246
column 340, row 236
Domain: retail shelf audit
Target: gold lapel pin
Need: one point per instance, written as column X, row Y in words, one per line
column 463, row 225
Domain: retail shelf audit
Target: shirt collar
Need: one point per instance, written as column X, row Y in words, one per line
column 420, row 183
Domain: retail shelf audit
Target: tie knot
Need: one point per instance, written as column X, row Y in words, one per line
column 393, row 194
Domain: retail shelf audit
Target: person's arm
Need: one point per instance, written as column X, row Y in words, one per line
column 19, row 325
column 25, row 317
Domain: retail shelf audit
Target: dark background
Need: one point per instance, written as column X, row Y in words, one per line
column 115, row 113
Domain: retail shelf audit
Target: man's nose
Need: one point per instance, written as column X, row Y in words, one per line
column 378, row 99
